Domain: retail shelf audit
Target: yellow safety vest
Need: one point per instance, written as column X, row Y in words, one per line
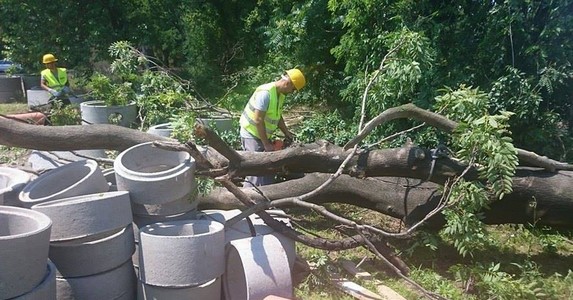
column 272, row 116
column 53, row 82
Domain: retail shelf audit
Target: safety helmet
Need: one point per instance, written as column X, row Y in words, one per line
column 49, row 58
column 297, row 78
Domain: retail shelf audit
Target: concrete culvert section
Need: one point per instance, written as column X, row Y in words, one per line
column 46, row 290
column 154, row 176
column 161, row 246
column 255, row 268
column 210, row 290
column 252, row 226
column 117, row 284
column 88, row 257
column 87, row 215
column 77, row 178
column 12, row 181
column 164, row 129
column 24, row 241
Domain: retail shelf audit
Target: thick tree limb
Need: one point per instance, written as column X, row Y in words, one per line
column 446, row 125
column 410, row 200
column 74, row 137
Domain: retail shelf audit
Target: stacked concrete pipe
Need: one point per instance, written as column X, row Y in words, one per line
column 164, row 271
column 12, row 181
column 250, row 227
column 24, row 241
column 77, row 178
column 91, row 245
column 255, row 269
column 160, row 182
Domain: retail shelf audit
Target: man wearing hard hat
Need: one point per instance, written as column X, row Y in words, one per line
column 54, row 79
column 263, row 115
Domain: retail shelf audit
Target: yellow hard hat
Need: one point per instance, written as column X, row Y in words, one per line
column 49, row 58
column 297, row 78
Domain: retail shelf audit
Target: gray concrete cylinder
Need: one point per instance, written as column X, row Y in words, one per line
column 12, row 181
column 87, row 215
column 161, row 245
column 154, row 176
column 210, row 290
column 164, row 129
column 24, row 241
column 96, row 112
column 117, row 284
column 246, row 278
column 86, row 257
column 46, row 290
column 242, row 229
column 77, row 178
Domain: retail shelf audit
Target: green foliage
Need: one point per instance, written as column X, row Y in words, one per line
column 326, row 126
column 464, row 227
column 182, row 125
column 482, row 140
column 112, row 93
column 61, row 115
column 491, row 281
column 432, row 281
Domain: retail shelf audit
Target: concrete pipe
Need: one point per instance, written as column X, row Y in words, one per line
column 87, row 215
column 24, row 241
column 37, row 97
column 117, row 284
column 242, row 229
column 77, row 178
column 164, row 129
column 255, row 268
column 175, row 207
column 161, row 245
column 12, row 181
column 154, row 176
column 89, row 257
column 46, row 290
column 210, row 290
column 97, row 112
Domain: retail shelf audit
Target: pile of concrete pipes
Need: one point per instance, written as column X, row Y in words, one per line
column 134, row 233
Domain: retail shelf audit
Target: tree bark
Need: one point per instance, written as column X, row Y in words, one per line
column 539, row 196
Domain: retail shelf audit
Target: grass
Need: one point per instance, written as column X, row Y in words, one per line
column 520, row 262
column 13, row 108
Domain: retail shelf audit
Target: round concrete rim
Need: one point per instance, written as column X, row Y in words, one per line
column 160, row 228
column 175, row 207
column 183, row 166
column 74, row 254
column 25, row 193
column 46, row 289
column 16, row 177
column 240, row 255
column 99, row 204
column 120, row 281
column 208, row 290
column 100, row 103
column 43, row 221
column 160, row 244
column 25, row 252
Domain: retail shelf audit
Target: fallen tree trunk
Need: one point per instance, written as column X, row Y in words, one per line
column 539, row 196
column 409, row 200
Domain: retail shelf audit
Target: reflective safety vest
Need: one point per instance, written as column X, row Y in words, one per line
column 56, row 83
column 272, row 116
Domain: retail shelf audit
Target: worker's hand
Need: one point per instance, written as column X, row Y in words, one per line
column 269, row 147
column 53, row 92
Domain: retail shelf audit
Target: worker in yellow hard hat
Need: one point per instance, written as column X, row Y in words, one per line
column 263, row 115
column 54, row 79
